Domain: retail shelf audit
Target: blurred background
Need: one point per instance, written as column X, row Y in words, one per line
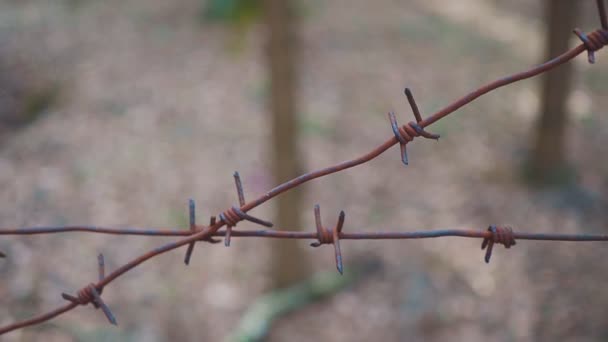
column 114, row 113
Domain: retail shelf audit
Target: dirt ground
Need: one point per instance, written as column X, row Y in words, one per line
column 157, row 107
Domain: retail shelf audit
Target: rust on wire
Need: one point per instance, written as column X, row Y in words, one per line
column 593, row 42
column 407, row 133
column 234, row 215
column 330, row 236
column 500, row 235
column 288, row 234
column 91, row 294
column 193, row 230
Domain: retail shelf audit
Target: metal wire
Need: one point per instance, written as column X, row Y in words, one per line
column 91, row 293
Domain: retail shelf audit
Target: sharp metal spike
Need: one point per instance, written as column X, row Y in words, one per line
column 412, row 102
column 489, row 252
column 250, row 218
column 602, row 11
column 69, row 297
column 228, row 236
column 101, row 267
column 192, row 219
column 341, row 218
column 338, row 252
column 404, row 154
column 192, row 214
column 103, row 306
column 239, row 188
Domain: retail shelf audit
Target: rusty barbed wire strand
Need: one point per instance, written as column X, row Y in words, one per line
column 231, row 217
column 395, row 235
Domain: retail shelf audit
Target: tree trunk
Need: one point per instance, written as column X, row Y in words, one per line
column 547, row 163
column 288, row 260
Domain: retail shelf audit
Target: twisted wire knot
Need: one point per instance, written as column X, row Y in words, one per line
column 592, row 41
column 411, row 130
column 232, row 216
column 90, row 294
column 85, row 295
column 500, row 235
column 324, row 237
column 235, row 215
column 406, row 133
column 330, row 236
column 194, row 229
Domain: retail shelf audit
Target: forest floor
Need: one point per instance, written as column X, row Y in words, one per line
column 158, row 106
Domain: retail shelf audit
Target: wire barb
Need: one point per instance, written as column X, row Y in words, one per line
column 239, row 188
column 407, row 133
column 234, row 215
column 92, row 294
column 500, row 235
column 101, row 267
column 416, row 126
column 412, row 102
column 602, row 11
column 192, row 217
column 598, row 38
column 330, row 236
column 593, row 42
column 194, row 230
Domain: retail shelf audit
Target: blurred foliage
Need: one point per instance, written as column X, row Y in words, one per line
column 596, row 79
column 102, row 334
column 312, row 126
column 24, row 99
column 38, row 101
column 237, row 12
column 257, row 321
column 560, row 177
column 30, row 106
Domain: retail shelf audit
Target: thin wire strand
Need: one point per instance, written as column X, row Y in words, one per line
column 298, row 234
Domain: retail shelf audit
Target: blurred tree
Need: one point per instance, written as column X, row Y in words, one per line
column 547, row 164
column 289, row 262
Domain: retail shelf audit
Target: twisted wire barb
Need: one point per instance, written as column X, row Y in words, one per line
column 403, row 135
column 234, row 215
column 92, row 294
column 330, row 236
column 407, row 133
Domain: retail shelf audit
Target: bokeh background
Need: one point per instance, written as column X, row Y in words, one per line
column 114, row 113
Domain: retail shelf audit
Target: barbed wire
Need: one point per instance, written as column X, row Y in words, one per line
column 402, row 135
